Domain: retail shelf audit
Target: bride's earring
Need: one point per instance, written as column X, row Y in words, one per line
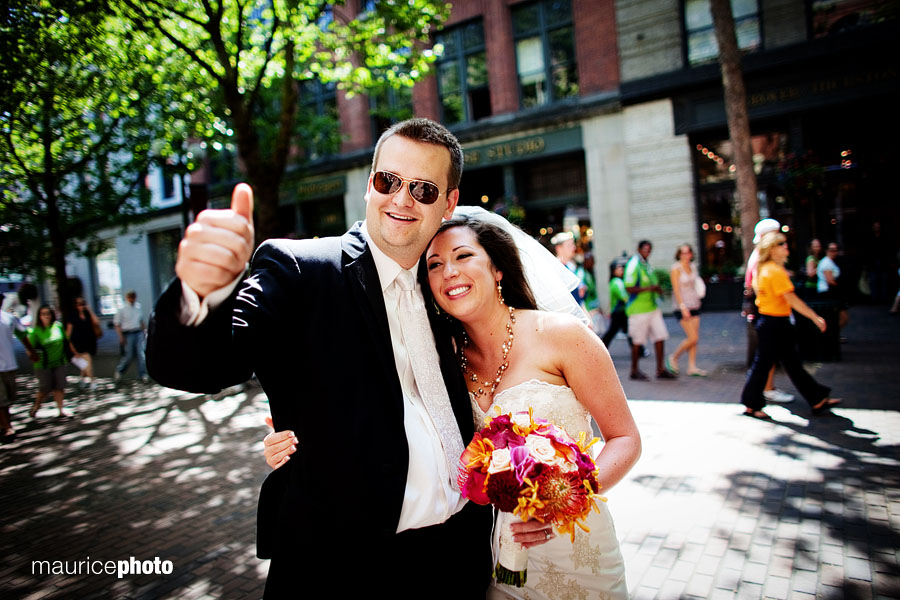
column 500, row 293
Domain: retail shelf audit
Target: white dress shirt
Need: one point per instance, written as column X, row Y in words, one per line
column 429, row 498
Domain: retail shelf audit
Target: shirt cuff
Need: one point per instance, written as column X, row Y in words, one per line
column 194, row 311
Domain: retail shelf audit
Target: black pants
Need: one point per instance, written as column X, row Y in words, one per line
column 777, row 341
column 451, row 560
column 618, row 321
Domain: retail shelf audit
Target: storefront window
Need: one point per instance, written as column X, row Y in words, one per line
column 550, row 191
column 720, row 213
column 317, row 218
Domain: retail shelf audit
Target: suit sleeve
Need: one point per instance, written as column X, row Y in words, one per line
column 201, row 359
column 222, row 350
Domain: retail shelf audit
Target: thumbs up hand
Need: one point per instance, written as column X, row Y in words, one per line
column 217, row 246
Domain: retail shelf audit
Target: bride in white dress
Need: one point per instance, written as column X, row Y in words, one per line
column 519, row 357
column 514, row 357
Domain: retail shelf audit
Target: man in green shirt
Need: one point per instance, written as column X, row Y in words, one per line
column 645, row 320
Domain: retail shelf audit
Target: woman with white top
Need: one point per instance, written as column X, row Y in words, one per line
column 684, row 278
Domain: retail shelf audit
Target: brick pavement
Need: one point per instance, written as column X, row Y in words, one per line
column 720, row 506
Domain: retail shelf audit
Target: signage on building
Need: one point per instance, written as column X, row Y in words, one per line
column 315, row 189
column 523, row 148
column 784, row 94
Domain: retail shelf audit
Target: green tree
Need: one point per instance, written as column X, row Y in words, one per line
column 251, row 58
column 80, row 109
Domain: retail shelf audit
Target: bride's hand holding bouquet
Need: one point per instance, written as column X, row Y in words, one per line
column 534, row 470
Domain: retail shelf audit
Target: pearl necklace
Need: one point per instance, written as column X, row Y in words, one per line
column 506, row 346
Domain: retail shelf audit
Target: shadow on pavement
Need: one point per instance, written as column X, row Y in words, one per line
column 136, row 473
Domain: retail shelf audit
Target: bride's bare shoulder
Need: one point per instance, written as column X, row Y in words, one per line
column 552, row 324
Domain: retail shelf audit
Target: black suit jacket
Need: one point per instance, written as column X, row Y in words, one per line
column 310, row 322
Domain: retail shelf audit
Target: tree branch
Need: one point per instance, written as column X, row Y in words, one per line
column 192, row 54
column 168, row 8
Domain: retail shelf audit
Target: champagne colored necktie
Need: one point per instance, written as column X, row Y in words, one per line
column 426, row 368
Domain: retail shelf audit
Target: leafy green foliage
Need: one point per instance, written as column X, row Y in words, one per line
column 253, row 63
column 81, row 110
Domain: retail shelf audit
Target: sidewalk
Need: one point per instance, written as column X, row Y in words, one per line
column 719, row 506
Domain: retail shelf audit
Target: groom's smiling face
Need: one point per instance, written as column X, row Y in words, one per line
column 397, row 224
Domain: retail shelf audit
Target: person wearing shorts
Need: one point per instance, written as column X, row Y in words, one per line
column 49, row 338
column 645, row 319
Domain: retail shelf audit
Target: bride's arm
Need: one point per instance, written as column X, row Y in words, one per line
column 589, row 371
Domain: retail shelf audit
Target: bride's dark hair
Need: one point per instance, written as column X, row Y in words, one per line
column 502, row 250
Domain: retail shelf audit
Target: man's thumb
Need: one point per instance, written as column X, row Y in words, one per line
column 242, row 201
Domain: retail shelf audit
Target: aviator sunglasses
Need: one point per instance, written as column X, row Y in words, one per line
column 389, row 183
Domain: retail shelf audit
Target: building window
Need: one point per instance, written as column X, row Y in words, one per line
column 389, row 106
column 318, row 118
column 702, row 46
column 109, row 281
column 545, row 52
column 462, row 74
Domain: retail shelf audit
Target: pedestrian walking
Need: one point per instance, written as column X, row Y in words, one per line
column 645, row 319
column 83, row 329
column 775, row 298
column 688, row 289
column 10, row 326
column 566, row 250
column 751, row 312
column 829, row 285
column 129, row 323
column 49, row 340
column 618, row 298
column 811, row 267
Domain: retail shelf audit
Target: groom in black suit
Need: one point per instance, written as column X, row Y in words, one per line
column 368, row 503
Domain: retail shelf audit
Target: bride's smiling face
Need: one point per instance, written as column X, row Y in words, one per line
column 460, row 273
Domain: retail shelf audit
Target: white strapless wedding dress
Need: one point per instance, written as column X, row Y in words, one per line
column 591, row 567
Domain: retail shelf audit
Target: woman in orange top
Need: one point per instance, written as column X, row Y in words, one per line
column 775, row 298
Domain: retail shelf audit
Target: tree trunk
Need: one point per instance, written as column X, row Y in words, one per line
column 263, row 176
column 54, row 227
column 738, row 120
column 265, row 193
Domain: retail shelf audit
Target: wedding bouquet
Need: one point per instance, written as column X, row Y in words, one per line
column 533, row 469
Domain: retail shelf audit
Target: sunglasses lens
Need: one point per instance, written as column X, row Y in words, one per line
column 423, row 191
column 386, row 183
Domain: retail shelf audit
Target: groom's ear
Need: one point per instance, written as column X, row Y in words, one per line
column 369, row 187
column 452, row 201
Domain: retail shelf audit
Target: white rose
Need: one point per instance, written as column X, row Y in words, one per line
column 541, row 449
column 500, row 461
column 567, row 467
column 522, row 419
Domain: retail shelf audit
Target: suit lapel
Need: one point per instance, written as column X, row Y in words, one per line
column 365, row 287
